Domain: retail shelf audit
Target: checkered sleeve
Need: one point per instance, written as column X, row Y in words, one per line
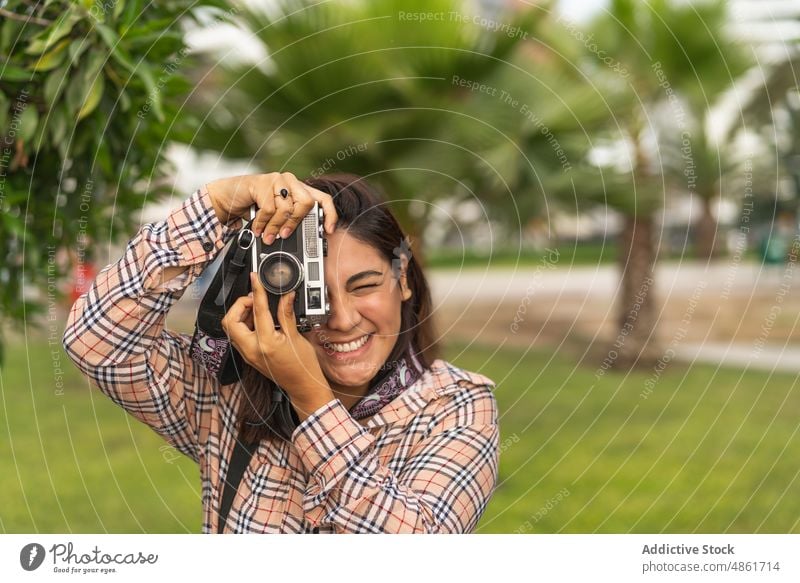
column 115, row 332
column 443, row 485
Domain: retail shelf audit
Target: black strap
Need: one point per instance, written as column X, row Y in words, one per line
column 232, row 267
column 210, row 344
column 242, row 454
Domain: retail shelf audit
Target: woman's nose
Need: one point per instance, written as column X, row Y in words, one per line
column 344, row 316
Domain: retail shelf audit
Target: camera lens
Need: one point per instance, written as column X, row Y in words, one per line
column 280, row 272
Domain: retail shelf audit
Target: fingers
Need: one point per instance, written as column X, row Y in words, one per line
column 261, row 192
column 249, row 320
column 283, row 180
column 286, row 314
column 303, row 202
column 283, row 209
column 237, row 313
column 264, row 323
column 273, row 209
column 279, row 216
column 235, row 324
column 326, row 201
column 262, row 318
column 284, row 206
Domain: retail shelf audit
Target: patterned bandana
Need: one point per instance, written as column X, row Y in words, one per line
column 402, row 375
column 208, row 351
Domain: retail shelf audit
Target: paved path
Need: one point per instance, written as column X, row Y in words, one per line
column 548, row 278
column 784, row 358
column 736, row 314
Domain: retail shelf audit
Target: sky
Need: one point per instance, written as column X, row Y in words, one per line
column 581, row 10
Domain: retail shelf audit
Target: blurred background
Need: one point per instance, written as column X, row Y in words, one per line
column 604, row 193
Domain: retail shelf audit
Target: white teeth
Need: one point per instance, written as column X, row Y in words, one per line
column 350, row 346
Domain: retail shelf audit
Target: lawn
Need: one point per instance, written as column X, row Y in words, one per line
column 707, row 451
column 570, row 254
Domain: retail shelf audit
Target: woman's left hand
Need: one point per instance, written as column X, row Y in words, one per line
column 284, row 355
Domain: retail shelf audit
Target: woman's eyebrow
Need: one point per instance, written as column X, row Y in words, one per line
column 361, row 275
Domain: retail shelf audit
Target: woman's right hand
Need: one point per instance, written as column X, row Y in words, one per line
column 233, row 197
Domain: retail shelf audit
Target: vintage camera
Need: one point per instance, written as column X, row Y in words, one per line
column 295, row 263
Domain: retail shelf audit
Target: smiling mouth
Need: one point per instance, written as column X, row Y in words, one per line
column 340, row 350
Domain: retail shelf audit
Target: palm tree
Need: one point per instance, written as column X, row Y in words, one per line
column 371, row 88
column 713, row 173
column 773, row 106
column 677, row 57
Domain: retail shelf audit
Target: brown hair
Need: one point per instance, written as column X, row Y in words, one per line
column 364, row 212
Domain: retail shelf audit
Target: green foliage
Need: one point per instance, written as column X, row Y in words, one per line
column 515, row 134
column 390, row 90
column 773, row 109
column 688, row 41
column 694, row 163
column 680, row 58
column 88, row 99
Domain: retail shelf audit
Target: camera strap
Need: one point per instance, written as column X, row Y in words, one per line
column 232, row 271
column 240, row 459
column 210, row 346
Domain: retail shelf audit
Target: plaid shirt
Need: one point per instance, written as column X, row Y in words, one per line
column 426, row 462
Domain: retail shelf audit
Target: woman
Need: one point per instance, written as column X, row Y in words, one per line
column 383, row 436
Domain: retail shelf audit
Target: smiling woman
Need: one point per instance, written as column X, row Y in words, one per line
column 381, row 310
column 380, row 434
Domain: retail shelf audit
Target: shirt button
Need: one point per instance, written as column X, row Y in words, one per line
column 208, row 246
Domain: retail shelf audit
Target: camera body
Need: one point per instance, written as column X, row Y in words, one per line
column 295, row 263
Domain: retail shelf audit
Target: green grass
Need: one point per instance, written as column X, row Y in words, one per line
column 568, row 254
column 708, row 451
column 573, row 253
column 75, row 462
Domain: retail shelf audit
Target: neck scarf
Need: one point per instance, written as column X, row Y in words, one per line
column 402, row 374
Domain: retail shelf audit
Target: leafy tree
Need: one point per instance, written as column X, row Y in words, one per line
column 418, row 104
column 381, row 89
column 713, row 171
column 535, row 136
column 678, row 58
column 89, row 96
column 773, row 109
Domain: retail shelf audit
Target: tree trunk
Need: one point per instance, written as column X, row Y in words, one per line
column 706, row 245
column 636, row 342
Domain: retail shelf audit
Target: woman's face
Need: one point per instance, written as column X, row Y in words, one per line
column 364, row 322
